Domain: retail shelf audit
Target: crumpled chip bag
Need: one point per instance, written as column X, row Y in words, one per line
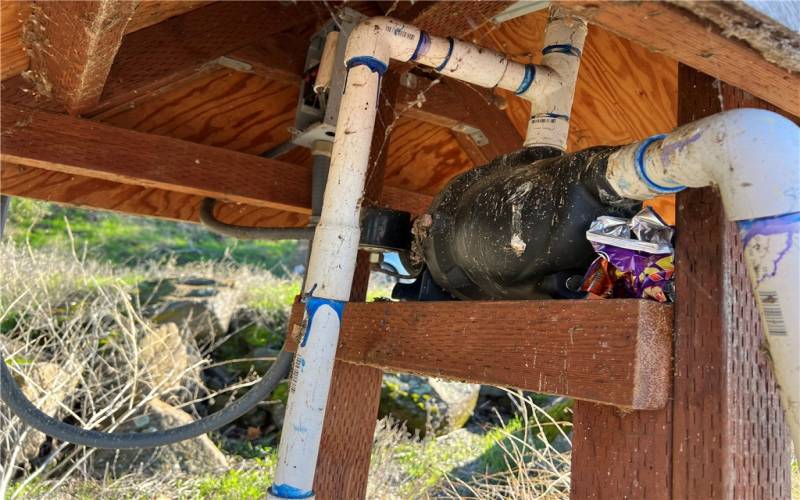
column 635, row 258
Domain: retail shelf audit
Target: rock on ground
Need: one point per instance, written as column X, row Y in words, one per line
column 425, row 403
column 203, row 306
column 195, row 456
column 167, row 360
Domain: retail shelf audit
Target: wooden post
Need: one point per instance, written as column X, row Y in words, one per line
column 724, row 434
column 352, row 411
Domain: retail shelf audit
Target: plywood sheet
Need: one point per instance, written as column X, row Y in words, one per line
column 224, row 108
column 423, row 157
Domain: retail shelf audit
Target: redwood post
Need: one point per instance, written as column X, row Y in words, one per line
column 723, row 436
column 352, row 411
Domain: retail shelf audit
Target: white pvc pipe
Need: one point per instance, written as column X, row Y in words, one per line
column 552, row 93
column 328, row 282
column 753, row 157
column 370, row 47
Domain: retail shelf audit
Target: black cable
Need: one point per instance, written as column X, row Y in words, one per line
column 250, row 233
column 11, row 395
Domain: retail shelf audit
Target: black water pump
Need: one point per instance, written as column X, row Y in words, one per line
column 516, row 227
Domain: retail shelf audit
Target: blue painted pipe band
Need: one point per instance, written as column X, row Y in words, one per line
column 312, row 306
column 423, row 45
column 642, row 171
column 447, row 57
column 551, row 115
column 527, row 79
column 289, row 491
column 376, row 65
column 564, row 48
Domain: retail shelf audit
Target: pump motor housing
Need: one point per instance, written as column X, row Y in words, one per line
column 516, row 227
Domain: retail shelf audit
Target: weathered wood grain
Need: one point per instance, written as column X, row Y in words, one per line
column 723, row 436
column 94, row 193
column 729, row 436
column 13, row 58
column 678, row 34
column 185, row 43
column 150, row 12
column 88, row 192
column 82, row 147
column 615, row 351
column 72, row 46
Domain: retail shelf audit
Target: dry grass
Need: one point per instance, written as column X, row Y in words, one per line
column 80, row 314
column 61, row 308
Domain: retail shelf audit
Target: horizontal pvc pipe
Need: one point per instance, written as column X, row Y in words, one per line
column 753, row 157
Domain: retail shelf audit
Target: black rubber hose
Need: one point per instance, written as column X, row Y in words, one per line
column 250, row 233
column 11, row 395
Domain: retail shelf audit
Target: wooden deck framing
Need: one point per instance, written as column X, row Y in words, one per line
column 148, row 107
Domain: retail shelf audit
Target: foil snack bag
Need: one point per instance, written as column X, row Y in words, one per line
column 635, row 257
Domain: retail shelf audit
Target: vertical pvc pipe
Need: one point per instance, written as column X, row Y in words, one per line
column 552, row 91
column 772, row 253
column 327, row 288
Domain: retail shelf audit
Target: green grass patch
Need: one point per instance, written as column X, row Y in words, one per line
column 129, row 240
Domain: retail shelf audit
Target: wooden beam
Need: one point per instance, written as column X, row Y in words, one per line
column 93, row 193
column 90, row 149
column 72, row 46
column 677, row 33
column 615, row 351
column 723, row 436
column 186, row 43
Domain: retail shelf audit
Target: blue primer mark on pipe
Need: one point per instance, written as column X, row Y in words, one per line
column 423, row 45
column 289, row 491
column 550, row 115
column 312, row 306
column 375, row 65
column 640, row 151
column 564, row 48
column 786, row 224
column 447, row 57
column 527, row 79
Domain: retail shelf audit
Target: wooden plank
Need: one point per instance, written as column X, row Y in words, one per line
column 616, row 352
column 82, row 147
column 352, row 409
column 13, row 57
column 93, row 193
column 185, row 43
column 724, row 435
column 72, row 46
column 678, row 34
column 88, row 192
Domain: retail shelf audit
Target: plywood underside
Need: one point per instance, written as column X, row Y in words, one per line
column 624, row 93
